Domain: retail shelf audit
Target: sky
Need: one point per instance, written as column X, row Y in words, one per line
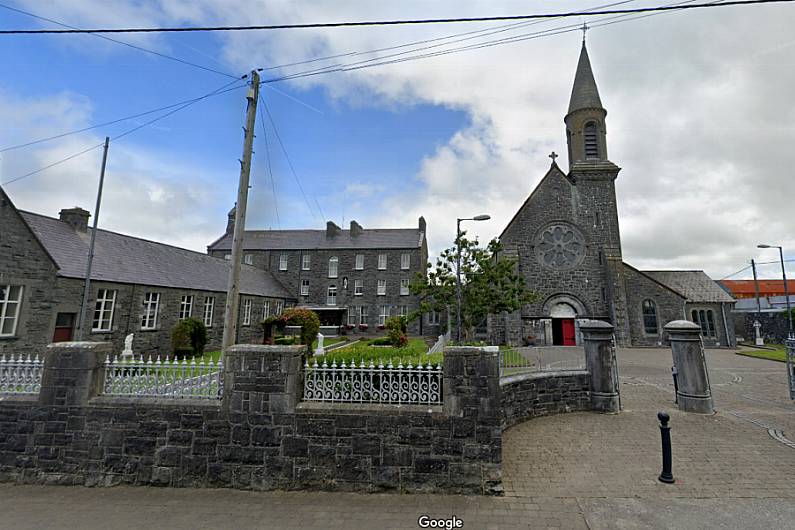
column 700, row 118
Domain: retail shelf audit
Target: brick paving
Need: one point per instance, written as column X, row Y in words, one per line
column 578, row 471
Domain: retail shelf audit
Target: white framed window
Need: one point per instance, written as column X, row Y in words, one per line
column 151, row 305
column 331, row 298
column 282, row 262
column 209, row 306
column 384, row 315
column 433, row 318
column 363, row 314
column 359, row 266
column 266, row 309
column 382, row 262
column 10, row 302
column 247, row 312
column 381, row 288
column 248, row 259
column 279, row 307
column 333, row 266
column 403, row 310
column 352, row 314
column 185, row 306
column 405, row 261
column 404, row 286
column 306, row 262
column 103, row 310
column 304, row 287
column 358, row 287
column 227, row 257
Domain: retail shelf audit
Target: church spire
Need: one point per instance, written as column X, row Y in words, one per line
column 584, row 94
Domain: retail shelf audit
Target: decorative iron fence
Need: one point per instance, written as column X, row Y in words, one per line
column 21, row 375
column 163, row 379
column 515, row 361
column 393, row 385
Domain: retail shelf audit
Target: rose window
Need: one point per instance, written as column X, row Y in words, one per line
column 560, row 247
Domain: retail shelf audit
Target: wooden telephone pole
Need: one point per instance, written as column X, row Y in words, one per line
column 233, row 289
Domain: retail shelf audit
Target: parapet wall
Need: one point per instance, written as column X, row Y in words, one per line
column 528, row 396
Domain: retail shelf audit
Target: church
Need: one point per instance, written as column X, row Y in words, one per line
column 567, row 244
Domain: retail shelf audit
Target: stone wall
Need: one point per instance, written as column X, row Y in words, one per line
column 528, row 396
column 259, row 437
column 775, row 327
column 670, row 307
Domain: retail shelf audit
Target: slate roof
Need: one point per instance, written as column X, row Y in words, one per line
column 584, row 94
column 126, row 259
column 747, row 289
column 695, row 286
column 369, row 238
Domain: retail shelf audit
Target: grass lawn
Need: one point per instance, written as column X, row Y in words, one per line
column 779, row 354
column 414, row 352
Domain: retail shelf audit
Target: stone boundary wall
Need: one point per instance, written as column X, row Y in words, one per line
column 527, row 396
column 259, row 436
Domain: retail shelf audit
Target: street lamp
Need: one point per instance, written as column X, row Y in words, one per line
column 482, row 217
column 784, row 275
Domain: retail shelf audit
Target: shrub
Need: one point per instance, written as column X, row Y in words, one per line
column 307, row 319
column 398, row 327
column 189, row 337
column 384, row 341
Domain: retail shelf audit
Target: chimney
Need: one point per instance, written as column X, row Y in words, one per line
column 76, row 217
column 230, row 219
column 422, row 224
column 332, row 229
column 356, row 229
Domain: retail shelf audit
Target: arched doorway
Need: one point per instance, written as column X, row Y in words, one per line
column 563, row 330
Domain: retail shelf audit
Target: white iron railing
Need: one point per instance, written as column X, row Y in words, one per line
column 163, row 379
column 368, row 383
column 21, row 375
column 514, row 361
column 440, row 344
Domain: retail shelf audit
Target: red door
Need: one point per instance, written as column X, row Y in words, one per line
column 64, row 324
column 567, row 325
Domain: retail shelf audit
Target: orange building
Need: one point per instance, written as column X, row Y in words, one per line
column 746, row 289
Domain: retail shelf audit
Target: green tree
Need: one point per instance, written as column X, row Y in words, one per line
column 490, row 284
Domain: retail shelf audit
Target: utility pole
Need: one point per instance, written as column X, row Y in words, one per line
column 81, row 329
column 756, row 290
column 233, row 289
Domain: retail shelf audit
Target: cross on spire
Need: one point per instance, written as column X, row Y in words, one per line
column 585, row 28
column 553, row 155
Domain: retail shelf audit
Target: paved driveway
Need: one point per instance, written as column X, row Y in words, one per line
column 582, row 470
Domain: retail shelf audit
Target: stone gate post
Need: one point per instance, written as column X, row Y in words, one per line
column 694, row 393
column 73, row 372
column 598, row 342
column 262, row 379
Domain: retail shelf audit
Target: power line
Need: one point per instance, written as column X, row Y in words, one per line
column 268, row 159
column 130, row 45
column 216, row 92
column 384, row 22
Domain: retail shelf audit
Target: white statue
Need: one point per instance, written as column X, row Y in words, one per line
column 319, row 350
column 758, row 336
column 128, row 340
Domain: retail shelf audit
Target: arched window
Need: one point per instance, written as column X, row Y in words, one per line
column 591, row 142
column 650, row 317
column 333, row 265
column 706, row 320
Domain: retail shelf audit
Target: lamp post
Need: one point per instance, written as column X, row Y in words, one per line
column 790, row 337
column 482, row 217
column 784, row 275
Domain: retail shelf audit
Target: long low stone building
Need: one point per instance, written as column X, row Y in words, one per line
column 137, row 286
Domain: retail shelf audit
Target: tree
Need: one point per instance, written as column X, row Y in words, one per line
column 490, row 283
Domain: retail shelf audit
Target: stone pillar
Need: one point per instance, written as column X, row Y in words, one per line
column 261, row 379
column 598, row 343
column 73, row 372
column 694, row 393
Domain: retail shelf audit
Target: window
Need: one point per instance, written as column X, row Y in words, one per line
column 433, row 318
column 402, row 310
column 597, row 221
column 382, row 262
column 209, row 305
column 352, row 314
column 363, row 314
column 247, row 312
column 384, row 315
column 185, row 306
column 151, row 303
column 282, row 262
column 103, row 310
column 227, row 257
column 381, row 288
column 359, row 262
column 331, row 298
column 600, row 257
column 333, row 265
column 306, row 262
column 604, row 295
column 591, row 143
column 358, row 287
column 266, row 309
column 650, row 317
column 404, row 287
column 405, row 260
column 279, row 307
column 304, row 287
column 10, row 301
column 704, row 319
column 248, row 259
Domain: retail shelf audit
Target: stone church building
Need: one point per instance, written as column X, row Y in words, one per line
column 567, row 242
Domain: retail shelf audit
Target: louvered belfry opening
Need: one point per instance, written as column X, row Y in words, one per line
column 591, row 143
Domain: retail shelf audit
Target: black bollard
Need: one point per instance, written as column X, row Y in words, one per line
column 674, row 373
column 665, row 433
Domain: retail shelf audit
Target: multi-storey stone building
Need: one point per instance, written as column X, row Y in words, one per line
column 567, row 243
column 137, row 286
column 355, row 278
